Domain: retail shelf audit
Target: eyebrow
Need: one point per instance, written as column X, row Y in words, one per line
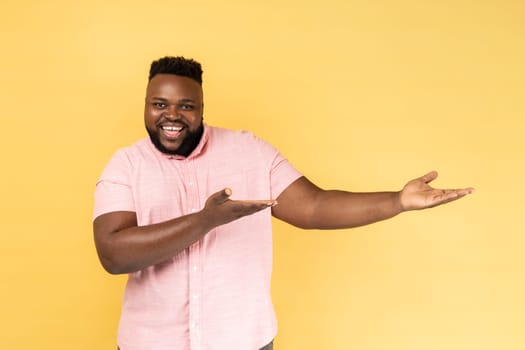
column 162, row 99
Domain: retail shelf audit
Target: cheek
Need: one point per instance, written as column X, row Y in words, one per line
column 151, row 116
column 195, row 120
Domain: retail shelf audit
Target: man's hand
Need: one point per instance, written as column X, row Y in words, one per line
column 125, row 247
column 418, row 194
column 220, row 209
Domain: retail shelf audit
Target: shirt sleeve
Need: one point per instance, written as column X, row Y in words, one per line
column 282, row 172
column 113, row 190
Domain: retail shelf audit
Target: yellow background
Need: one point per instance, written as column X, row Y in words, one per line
column 359, row 95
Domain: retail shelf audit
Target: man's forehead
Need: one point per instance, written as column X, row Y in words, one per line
column 164, row 78
column 169, row 84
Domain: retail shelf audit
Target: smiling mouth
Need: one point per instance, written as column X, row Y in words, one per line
column 171, row 131
column 171, row 128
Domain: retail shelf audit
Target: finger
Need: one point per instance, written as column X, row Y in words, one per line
column 248, row 207
column 445, row 196
column 252, row 208
column 464, row 191
column 268, row 203
column 431, row 176
column 222, row 196
column 469, row 190
column 458, row 191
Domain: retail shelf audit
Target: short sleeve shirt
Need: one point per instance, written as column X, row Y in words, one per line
column 214, row 295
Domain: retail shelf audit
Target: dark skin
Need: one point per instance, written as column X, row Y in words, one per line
column 173, row 110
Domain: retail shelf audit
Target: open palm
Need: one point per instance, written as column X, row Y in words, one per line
column 418, row 194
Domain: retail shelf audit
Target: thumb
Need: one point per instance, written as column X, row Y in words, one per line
column 431, row 176
column 222, row 196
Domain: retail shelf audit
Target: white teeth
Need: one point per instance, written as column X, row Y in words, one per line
column 172, row 128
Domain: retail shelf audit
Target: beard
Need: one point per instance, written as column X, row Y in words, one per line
column 187, row 146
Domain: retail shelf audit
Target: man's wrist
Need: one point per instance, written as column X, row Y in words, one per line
column 204, row 221
column 398, row 202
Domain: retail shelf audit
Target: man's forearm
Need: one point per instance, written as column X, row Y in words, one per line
column 137, row 247
column 125, row 247
column 339, row 209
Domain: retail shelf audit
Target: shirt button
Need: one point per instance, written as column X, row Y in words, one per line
column 193, row 210
column 194, row 267
column 193, row 325
column 195, row 297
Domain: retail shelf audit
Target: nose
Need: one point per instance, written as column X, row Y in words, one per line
column 171, row 113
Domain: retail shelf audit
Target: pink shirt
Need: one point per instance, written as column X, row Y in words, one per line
column 216, row 294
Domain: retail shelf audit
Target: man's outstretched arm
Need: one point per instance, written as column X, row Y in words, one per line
column 124, row 247
column 305, row 205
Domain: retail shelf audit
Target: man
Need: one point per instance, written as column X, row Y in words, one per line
column 187, row 214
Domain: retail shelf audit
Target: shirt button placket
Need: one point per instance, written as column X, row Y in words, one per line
column 194, row 260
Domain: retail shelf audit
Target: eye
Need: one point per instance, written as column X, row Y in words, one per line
column 159, row 105
column 187, row 107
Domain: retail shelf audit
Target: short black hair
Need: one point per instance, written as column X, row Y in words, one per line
column 179, row 65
